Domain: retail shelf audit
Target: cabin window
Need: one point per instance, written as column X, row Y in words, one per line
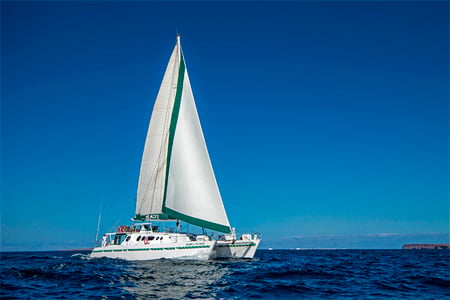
column 128, row 238
column 157, row 238
column 138, row 239
column 118, row 239
column 151, row 238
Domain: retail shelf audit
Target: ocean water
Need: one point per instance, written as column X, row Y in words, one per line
column 282, row 274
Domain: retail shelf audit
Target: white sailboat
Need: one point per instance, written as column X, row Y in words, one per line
column 176, row 182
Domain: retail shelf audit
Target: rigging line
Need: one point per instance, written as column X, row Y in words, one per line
column 154, row 174
column 163, row 150
column 159, row 166
column 113, row 228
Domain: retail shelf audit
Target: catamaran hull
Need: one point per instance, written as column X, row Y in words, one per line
column 181, row 251
column 235, row 249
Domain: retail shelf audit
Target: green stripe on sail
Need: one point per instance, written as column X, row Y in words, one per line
column 198, row 222
column 173, row 124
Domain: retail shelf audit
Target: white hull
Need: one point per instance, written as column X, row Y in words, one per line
column 172, row 246
column 236, row 248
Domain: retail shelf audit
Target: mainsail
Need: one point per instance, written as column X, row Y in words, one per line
column 176, row 179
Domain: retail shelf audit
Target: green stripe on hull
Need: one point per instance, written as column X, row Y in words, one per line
column 150, row 249
column 139, row 249
column 236, row 245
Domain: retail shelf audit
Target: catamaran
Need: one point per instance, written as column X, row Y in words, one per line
column 176, row 182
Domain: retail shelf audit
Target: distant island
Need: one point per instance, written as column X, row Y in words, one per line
column 426, row 246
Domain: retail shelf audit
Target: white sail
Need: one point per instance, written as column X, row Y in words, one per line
column 176, row 176
column 154, row 159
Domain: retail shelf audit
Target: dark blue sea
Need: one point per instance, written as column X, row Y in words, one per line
column 282, row 274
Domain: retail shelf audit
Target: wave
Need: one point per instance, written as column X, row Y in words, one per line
column 272, row 274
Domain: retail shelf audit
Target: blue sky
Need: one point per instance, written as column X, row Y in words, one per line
column 327, row 122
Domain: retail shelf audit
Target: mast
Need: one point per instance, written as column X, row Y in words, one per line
column 177, row 180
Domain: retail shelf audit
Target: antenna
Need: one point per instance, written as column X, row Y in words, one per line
column 98, row 225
